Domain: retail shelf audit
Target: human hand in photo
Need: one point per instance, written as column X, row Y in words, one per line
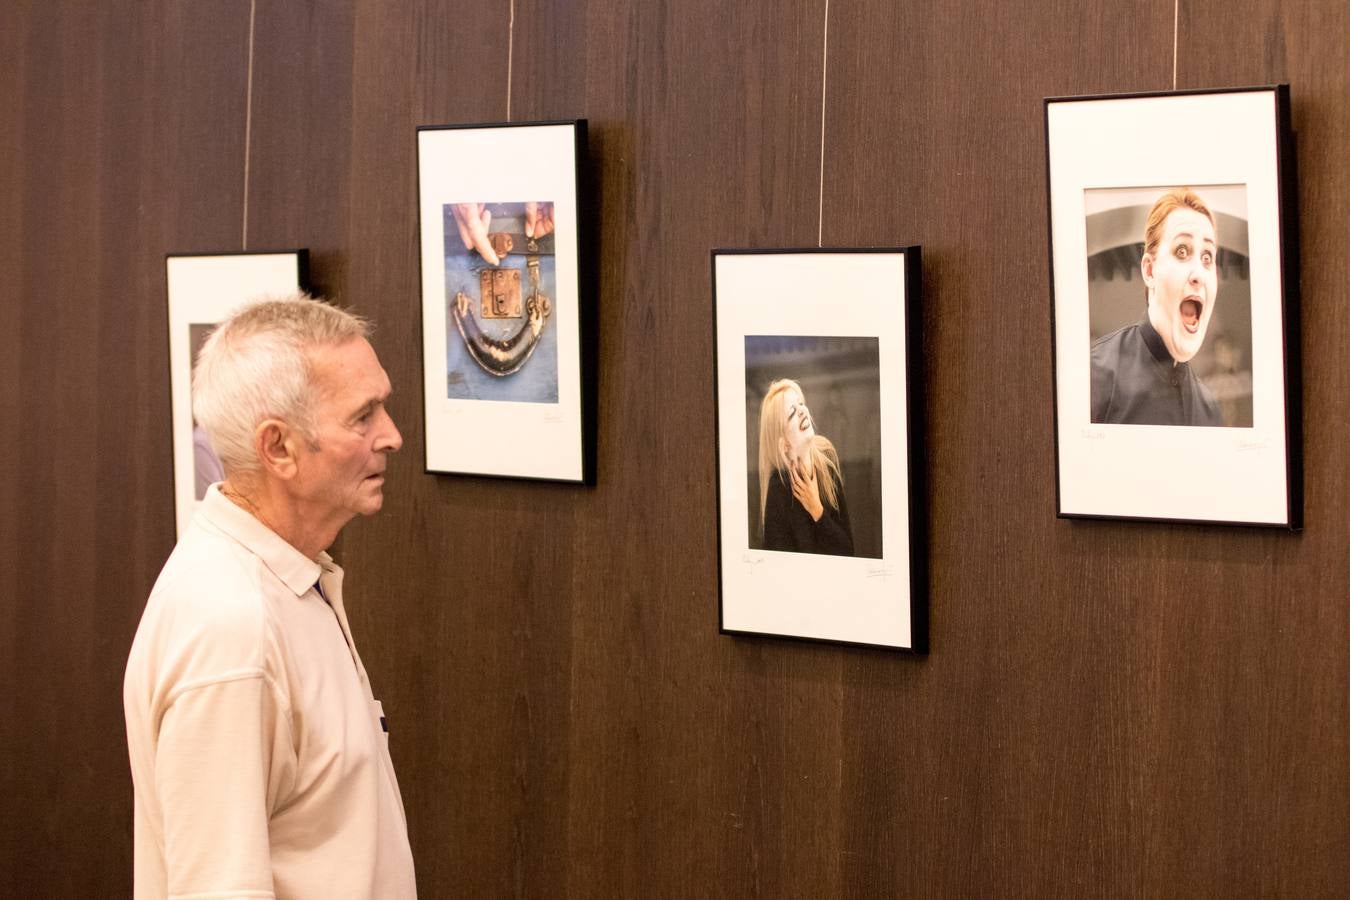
column 806, row 490
column 538, row 219
column 473, row 220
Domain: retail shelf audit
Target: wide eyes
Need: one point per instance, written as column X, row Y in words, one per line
column 1183, row 253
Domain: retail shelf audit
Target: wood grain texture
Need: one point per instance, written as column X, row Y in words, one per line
column 1109, row 709
column 15, row 22
column 1282, row 791
column 300, row 135
column 129, row 135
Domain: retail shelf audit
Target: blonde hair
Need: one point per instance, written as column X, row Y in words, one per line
column 774, row 462
column 255, row 366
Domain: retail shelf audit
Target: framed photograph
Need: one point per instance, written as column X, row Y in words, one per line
column 820, row 500
column 1174, row 274
column 203, row 289
column 507, row 331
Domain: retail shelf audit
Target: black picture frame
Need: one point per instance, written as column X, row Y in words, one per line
column 201, row 289
column 1174, row 307
column 508, row 313
column 778, row 328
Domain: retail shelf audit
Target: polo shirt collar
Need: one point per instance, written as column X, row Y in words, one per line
column 295, row 570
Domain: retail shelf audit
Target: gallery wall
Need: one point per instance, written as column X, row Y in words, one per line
column 1109, row 709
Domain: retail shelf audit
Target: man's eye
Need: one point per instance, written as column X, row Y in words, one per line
column 1183, row 251
column 1208, row 258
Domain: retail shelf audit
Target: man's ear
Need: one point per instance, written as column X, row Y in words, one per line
column 275, row 443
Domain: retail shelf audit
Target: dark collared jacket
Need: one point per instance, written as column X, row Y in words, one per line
column 1136, row 382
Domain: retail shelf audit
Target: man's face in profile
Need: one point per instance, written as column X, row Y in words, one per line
column 1183, row 280
column 342, row 474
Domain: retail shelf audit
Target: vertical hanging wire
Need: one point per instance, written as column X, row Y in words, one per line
column 824, row 69
column 510, row 51
column 1176, row 30
column 248, row 115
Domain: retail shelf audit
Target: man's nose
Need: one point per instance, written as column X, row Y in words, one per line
column 393, row 440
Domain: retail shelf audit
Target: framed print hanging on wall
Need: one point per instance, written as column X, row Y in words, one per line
column 507, row 325
column 820, row 500
column 203, row 289
column 1174, row 261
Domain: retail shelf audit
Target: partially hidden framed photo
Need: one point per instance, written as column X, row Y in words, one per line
column 821, row 523
column 507, row 321
column 1174, row 314
column 203, row 289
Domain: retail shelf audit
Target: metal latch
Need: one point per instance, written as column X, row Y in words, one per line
column 501, row 293
column 501, row 299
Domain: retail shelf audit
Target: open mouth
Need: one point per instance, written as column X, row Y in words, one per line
column 1191, row 308
column 806, row 423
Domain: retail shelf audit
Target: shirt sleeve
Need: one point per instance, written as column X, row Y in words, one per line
column 220, row 771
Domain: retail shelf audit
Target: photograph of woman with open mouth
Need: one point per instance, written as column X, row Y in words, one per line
column 801, row 488
column 1141, row 373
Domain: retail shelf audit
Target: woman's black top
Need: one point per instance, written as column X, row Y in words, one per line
column 788, row 526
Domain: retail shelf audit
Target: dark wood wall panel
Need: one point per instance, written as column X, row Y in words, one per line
column 484, row 627
column 1286, row 783
column 128, row 138
column 1109, row 709
column 689, row 784
column 14, row 26
column 1010, row 743
column 300, row 134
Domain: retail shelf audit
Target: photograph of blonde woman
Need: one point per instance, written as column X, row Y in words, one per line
column 801, row 491
column 820, row 512
column 812, row 410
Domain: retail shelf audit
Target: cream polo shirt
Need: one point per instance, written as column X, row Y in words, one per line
column 260, row 762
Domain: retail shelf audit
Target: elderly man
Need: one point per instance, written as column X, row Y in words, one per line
column 259, row 754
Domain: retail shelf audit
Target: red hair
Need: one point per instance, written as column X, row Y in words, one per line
column 1176, row 198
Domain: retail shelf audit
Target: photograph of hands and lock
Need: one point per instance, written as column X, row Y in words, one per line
column 1172, row 307
column 505, row 375
column 820, row 525
column 500, row 280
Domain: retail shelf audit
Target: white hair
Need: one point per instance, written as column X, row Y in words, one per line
column 255, row 366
